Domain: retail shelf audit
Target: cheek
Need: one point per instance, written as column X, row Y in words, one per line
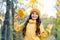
column 31, row 16
column 36, row 16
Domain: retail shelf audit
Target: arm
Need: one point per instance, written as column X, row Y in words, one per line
column 18, row 28
column 44, row 33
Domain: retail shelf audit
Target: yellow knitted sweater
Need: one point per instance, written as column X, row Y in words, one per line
column 30, row 30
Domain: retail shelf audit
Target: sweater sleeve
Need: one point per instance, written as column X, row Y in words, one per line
column 44, row 33
column 18, row 28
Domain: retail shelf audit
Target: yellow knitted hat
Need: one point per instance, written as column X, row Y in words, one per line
column 20, row 13
column 35, row 10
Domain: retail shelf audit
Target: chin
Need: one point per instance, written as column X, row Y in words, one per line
column 34, row 18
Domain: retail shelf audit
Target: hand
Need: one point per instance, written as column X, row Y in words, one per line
column 50, row 25
column 15, row 16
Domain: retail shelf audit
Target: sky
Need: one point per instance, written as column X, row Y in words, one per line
column 49, row 7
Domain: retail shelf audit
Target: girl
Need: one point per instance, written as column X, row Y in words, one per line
column 33, row 29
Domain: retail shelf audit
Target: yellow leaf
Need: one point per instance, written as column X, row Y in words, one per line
column 32, row 2
column 20, row 13
column 58, row 2
column 58, row 13
column 20, row 1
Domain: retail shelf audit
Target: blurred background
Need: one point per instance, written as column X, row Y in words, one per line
column 50, row 12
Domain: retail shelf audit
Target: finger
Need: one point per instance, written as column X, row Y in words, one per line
column 16, row 16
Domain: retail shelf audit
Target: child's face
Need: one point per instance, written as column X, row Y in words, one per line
column 34, row 15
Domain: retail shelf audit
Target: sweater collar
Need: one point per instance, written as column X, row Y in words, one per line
column 32, row 21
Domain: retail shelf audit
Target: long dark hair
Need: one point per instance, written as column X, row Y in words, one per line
column 38, row 22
